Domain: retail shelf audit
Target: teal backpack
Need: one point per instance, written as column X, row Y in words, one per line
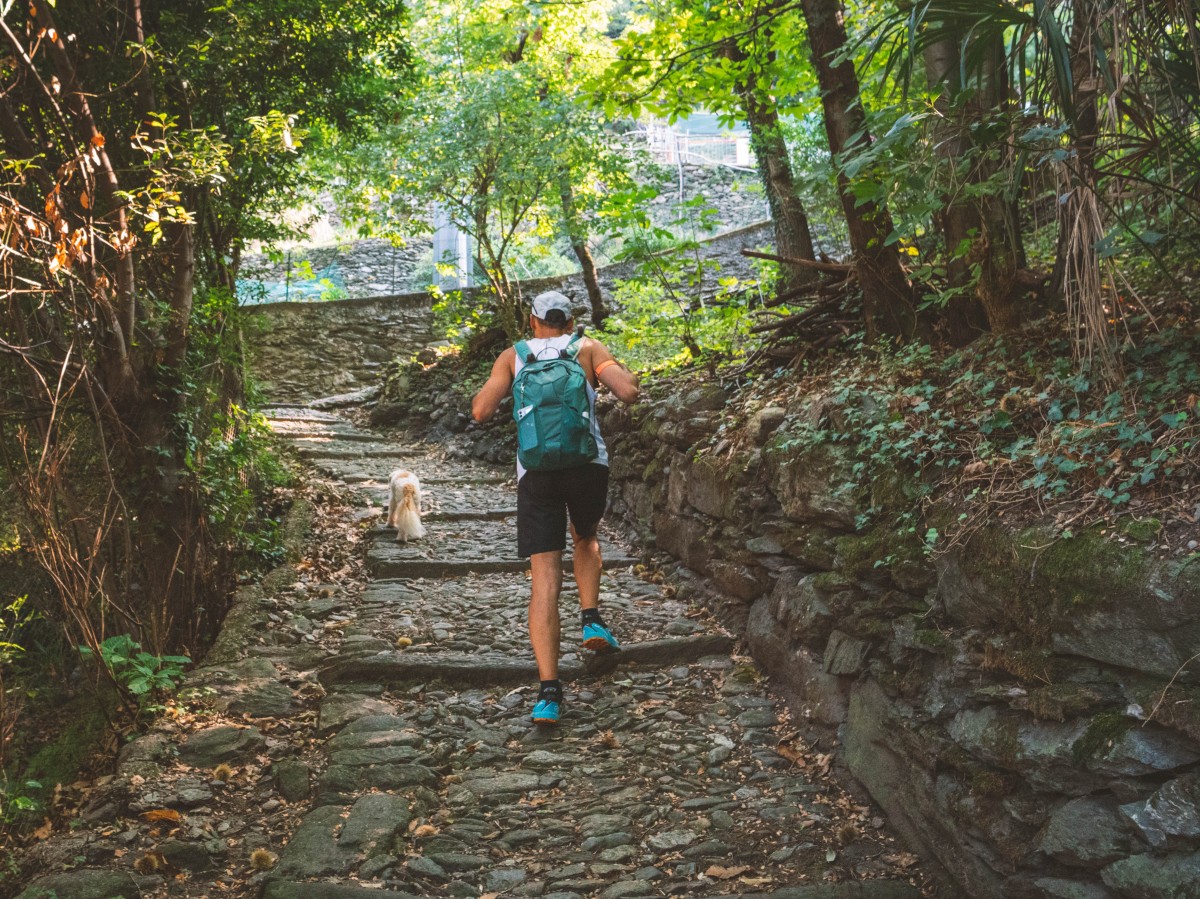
column 551, row 409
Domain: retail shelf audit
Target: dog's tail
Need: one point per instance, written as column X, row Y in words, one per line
column 408, row 516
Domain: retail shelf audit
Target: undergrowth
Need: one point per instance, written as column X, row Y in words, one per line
column 1011, row 423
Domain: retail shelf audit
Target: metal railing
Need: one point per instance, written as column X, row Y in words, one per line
column 671, row 147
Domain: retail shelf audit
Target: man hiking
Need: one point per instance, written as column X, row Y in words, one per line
column 562, row 473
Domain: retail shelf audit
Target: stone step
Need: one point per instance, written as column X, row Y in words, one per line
column 276, row 413
column 382, row 532
column 343, row 435
column 455, row 499
column 457, row 669
column 380, row 566
column 375, row 473
column 379, row 479
column 854, row 889
column 494, row 669
column 314, row 450
column 285, row 889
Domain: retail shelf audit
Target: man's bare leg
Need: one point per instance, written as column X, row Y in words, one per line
column 544, row 626
column 587, row 562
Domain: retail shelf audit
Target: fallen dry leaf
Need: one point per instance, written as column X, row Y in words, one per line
column 723, row 873
column 162, row 814
column 757, row 881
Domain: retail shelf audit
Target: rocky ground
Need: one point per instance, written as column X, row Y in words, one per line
column 362, row 730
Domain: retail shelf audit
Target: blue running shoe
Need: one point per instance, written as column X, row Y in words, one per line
column 598, row 638
column 546, row 710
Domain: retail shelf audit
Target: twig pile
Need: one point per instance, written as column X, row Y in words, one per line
column 830, row 310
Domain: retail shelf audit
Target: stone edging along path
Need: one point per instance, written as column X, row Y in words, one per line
column 367, row 735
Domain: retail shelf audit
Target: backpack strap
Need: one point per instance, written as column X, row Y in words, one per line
column 572, row 349
column 523, row 351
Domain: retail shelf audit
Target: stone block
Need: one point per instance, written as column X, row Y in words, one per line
column 815, row 484
column 341, row 708
column 893, row 759
column 1175, row 876
column 375, row 819
column 710, row 487
column 1170, row 818
column 845, row 655
column 213, row 745
column 1088, row 832
column 1096, row 599
column 1042, row 752
column 1065, row 888
column 292, row 779
column 83, row 884
column 799, row 671
column 764, row 423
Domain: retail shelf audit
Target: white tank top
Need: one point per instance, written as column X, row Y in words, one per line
column 549, row 348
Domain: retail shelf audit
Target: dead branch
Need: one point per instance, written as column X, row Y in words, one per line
column 840, row 268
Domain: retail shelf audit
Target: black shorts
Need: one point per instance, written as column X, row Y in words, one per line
column 544, row 498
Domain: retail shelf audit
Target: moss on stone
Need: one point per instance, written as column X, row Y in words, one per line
column 932, row 639
column 1144, row 530
column 652, row 471
column 829, row 582
column 62, row 759
column 1024, row 663
column 1003, row 739
column 1090, row 568
column 1177, row 707
column 894, row 490
column 1058, row 702
column 295, row 528
column 985, row 783
column 866, row 557
column 1102, row 731
column 1038, row 580
column 868, row 626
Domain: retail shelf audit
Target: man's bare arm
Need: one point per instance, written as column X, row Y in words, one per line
column 492, row 393
column 613, row 375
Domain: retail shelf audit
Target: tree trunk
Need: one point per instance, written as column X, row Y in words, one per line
column 793, row 236
column 1082, row 170
column 998, row 243
column 887, row 296
column 579, row 245
column 958, row 219
column 1090, row 301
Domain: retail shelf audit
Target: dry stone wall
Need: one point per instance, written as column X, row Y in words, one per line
column 302, row 351
column 1006, row 702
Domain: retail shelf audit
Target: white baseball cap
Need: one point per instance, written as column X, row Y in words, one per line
column 550, row 301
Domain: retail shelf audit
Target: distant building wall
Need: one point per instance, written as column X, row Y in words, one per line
column 302, row 351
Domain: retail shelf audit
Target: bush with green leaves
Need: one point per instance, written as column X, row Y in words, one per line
column 237, row 467
column 136, row 671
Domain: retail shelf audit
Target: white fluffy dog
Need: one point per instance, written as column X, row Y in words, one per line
column 404, row 505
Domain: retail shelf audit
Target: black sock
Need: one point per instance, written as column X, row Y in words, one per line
column 551, row 689
column 592, row 616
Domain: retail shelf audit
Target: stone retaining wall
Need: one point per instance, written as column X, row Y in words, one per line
column 301, row 351
column 1006, row 702
column 375, row 267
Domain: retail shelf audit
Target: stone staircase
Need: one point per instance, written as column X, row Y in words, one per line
column 663, row 779
column 369, row 738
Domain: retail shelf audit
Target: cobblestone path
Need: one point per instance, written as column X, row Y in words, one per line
column 671, row 772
